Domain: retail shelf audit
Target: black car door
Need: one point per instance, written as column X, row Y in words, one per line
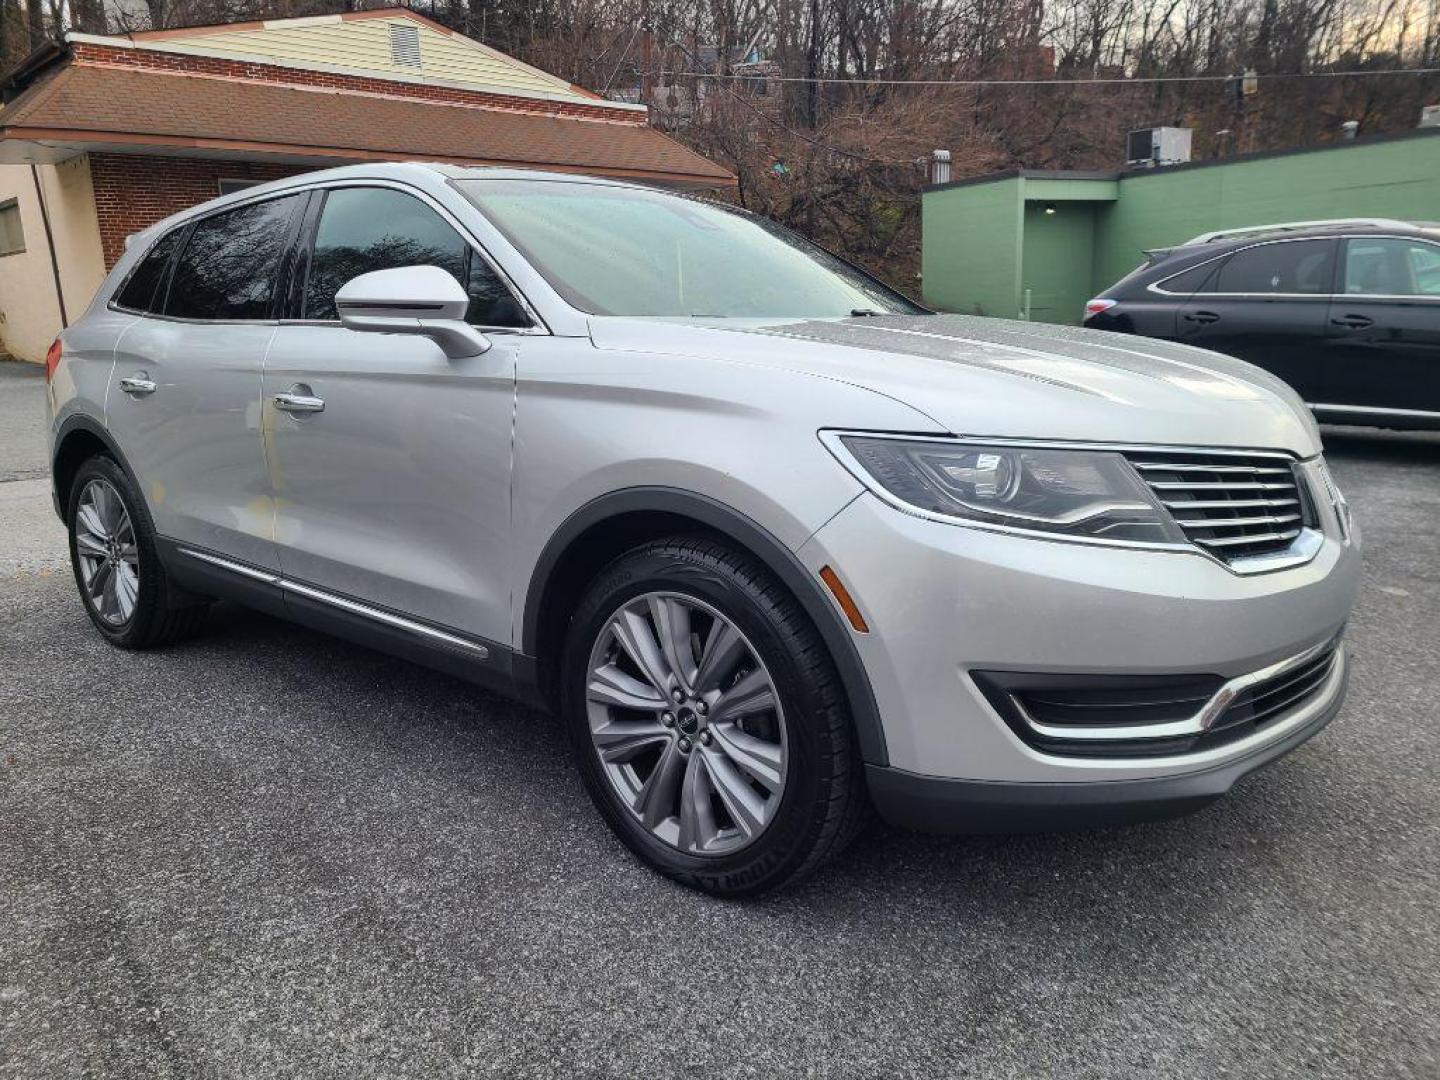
column 1382, row 348
column 1268, row 305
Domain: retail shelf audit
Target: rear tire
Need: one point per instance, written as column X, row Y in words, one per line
column 125, row 590
column 701, row 777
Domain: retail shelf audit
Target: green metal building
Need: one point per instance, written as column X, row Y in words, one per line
column 1039, row 244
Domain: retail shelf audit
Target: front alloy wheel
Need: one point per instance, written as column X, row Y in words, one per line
column 686, row 723
column 708, row 720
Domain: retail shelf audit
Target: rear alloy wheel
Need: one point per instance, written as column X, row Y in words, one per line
column 708, row 720
column 686, row 723
column 125, row 589
column 105, row 550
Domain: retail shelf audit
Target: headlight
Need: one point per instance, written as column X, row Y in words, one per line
column 1078, row 493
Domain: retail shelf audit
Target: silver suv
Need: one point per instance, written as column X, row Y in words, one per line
column 775, row 542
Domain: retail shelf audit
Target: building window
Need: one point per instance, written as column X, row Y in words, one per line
column 229, row 187
column 405, row 46
column 12, row 233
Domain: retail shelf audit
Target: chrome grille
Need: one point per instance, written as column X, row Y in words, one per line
column 1232, row 505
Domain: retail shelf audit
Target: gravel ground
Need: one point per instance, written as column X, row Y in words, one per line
column 271, row 854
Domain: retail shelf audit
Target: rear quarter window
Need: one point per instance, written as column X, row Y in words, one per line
column 142, row 289
column 1197, row 279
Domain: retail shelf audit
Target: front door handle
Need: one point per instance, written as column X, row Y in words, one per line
column 1353, row 322
column 299, row 403
column 138, row 384
column 1202, row 317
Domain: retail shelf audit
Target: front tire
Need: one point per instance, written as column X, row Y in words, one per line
column 126, row 592
column 708, row 720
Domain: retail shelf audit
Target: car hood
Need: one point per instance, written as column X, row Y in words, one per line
column 980, row 376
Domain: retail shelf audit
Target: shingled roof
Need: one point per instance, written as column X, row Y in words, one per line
column 105, row 94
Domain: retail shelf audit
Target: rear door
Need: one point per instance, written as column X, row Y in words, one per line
column 1268, row 304
column 1383, row 339
column 184, row 400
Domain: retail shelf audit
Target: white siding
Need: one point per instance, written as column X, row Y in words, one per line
column 364, row 45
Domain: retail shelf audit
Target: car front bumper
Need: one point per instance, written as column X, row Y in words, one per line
column 935, row 804
column 944, row 600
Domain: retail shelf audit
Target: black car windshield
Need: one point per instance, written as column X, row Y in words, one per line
column 631, row 251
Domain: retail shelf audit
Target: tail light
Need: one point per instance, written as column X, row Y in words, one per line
column 52, row 359
column 1099, row 304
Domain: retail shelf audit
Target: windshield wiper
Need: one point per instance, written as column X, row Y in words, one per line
column 866, row 313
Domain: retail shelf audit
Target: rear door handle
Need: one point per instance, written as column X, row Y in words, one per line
column 1202, row 317
column 139, row 385
column 1354, row 322
column 299, row 403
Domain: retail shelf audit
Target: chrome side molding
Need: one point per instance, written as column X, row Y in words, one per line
column 342, row 603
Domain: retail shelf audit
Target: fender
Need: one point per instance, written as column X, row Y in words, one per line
column 778, row 558
column 88, row 424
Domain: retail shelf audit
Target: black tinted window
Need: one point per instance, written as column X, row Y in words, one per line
column 138, row 293
column 230, row 263
column 367, row 229
column 1296, row 266
column 1197, row 279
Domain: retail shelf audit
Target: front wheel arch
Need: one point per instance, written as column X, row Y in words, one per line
column 608, row 526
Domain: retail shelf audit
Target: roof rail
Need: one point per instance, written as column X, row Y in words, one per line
column 1291, row 226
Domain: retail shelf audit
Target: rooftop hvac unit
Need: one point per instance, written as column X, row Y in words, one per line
column 1149, row 147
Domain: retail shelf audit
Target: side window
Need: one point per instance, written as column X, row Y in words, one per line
column 1295, row 266
column 1197, row 279
column 140, row 288
column 366, row 229
column 231, row 261
column 1391, row 268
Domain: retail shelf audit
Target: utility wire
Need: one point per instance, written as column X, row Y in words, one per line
column 621, row 61
column 1043, row 82
column 788, row 130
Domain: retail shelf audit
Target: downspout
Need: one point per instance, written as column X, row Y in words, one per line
column 50, row 244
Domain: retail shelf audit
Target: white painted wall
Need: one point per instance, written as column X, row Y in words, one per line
column 29, row 313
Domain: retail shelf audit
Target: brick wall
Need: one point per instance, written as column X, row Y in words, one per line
column 132, row 191
column 89, row 53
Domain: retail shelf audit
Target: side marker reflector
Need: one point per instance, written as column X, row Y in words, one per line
column 846, row 602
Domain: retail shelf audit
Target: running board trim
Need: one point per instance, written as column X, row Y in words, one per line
column 355, row 607
column 1369, row 410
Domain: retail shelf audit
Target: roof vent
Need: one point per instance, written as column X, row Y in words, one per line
column 405, row 46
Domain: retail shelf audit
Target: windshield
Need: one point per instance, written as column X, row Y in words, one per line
column 630, row 251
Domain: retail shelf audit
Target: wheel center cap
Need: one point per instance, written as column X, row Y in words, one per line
column 687, row 721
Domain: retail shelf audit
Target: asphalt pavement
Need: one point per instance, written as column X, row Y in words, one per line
column 272, row 854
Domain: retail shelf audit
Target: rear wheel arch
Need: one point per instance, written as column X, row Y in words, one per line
column 612, row 524
column 80, row 438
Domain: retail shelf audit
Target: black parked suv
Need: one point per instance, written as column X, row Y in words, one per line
column 1347, row 312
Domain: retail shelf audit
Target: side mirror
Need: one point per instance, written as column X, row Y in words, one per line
column 422, row 300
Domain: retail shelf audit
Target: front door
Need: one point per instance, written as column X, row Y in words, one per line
column 1383, row 345
column 396, row 492
column 184, row 400
column 1267, row 304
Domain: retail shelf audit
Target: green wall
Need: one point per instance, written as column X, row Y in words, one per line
column 984, row 243
column 1395, row 179
column 1054, row 245
column 970, row 248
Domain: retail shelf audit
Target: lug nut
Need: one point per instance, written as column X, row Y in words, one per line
column 684, row 745
column 701, row 708
column 706, row 737
column 668, row 719
column 677, row 696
